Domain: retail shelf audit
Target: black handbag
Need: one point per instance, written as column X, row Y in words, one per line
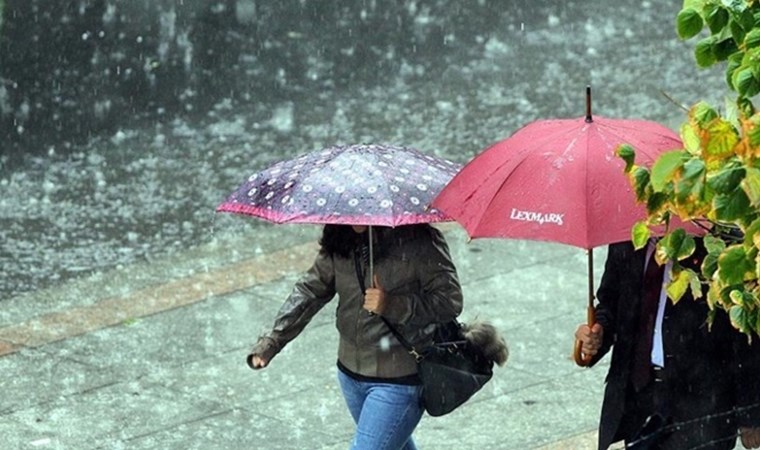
column 450, row 369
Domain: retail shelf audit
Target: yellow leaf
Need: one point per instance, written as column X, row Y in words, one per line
column 677, row 287
column 690, row 138
column 640, row 234
column 713, row 294
column 751, row 185
column 737, row 297
column 694, row 283
column 719, row 139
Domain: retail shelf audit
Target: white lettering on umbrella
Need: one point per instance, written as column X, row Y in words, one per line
column 532, row 216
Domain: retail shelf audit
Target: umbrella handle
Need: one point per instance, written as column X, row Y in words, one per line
column 582, row 359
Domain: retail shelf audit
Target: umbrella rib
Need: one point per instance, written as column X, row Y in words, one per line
column 498, row 190
column 643, row 149
column 525, row 152
column 586, row 197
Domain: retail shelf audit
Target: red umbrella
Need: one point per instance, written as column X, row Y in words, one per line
column 557, row 181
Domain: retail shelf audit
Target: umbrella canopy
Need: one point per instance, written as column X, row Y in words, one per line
column 556, row 181
column 364, row 184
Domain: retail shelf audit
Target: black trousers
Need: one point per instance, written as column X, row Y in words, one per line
column 658, row 418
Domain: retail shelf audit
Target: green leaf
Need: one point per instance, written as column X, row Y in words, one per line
column 753, row 134
column 709, row 265
column 713, row 244
column 692, row 176
column 745, row 106
column 675, row 246
column 737, row 297
column 734, row 62
column 750, row 233
column 723, row 49
column 688, row 23
column 732, row 206
column 733, row 265
column 717, row 18
column 695, row 284
column 744, row 82
column 677, row 286
column 655, row 202
column 751, row 185
column 731, row 113
column 665, row 167
column 640, row 234
column 745, row 299
column 696, row 5
column 739, row 318
column 745, row 17
column 751, row 59
column 713, row 298
column 736, row 6
column 628, row 154
column 752, row 39
column 753, row 88
column 736, row 30
column 702, row 113
column 727, row 178
column 704, row 52
column 640, row 182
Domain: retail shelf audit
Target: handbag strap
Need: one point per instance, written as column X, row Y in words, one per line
column 404, row 343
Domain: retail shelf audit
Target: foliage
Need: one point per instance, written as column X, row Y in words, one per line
column 714, row 180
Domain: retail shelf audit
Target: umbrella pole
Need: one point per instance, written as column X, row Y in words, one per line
column 590, row 253
column 371, row 258
column 580, row 358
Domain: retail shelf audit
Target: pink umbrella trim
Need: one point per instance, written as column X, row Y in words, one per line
column 431, row 216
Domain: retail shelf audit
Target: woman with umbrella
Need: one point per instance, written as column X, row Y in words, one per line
column 381, row 258
column 414, row 286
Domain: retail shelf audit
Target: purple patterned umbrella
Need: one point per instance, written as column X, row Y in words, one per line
column 348, row 184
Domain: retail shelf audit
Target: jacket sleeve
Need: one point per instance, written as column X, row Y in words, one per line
column 312, row 292
column 608, row 296
column 440, row 296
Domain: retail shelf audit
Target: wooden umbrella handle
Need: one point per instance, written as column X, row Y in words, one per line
column 581, row 358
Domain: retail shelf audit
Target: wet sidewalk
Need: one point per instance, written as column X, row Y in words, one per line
column 152, row 356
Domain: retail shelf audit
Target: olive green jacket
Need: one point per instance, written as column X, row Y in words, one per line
column 421, row 288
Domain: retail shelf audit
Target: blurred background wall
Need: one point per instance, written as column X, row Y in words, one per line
column 71, row 68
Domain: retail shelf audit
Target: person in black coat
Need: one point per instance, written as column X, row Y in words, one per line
column 696, row 386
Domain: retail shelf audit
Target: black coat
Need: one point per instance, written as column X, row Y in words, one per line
column 708, row 373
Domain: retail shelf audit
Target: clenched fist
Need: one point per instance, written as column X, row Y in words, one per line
column 590, row 338
column 374, row 297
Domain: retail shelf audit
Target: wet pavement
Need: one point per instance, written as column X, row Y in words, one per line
column 155, row 359
column 144, row 192
column 128, row 306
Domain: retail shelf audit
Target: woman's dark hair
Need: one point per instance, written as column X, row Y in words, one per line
column 342, row 240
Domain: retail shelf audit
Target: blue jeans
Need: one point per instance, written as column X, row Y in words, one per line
column 385, row 414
